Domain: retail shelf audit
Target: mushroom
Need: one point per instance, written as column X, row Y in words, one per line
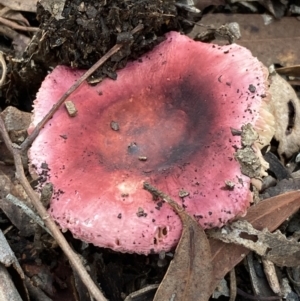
column 168, row 119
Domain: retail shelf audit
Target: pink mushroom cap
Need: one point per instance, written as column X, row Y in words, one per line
column 166, row 120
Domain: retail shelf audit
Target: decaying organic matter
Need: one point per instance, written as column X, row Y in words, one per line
column 88, row 29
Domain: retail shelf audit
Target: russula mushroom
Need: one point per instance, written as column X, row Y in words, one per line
column 167, row 120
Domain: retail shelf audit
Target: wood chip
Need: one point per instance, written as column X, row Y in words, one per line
column 71, row 109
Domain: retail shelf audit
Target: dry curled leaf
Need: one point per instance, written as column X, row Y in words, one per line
column 189, row 275
column 28, row 5
column 289, row 71
column 272, row 246
column 285, row 107
column 275, row 43
column 270, row 214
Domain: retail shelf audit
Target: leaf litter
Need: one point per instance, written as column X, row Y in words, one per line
column 272, row 246
column 268, row 214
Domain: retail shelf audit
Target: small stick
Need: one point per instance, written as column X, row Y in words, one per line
column 16, row 151
column 16, row 26
column 4, row 69
column 28, row 141
column 60, row 239
column 157, row 193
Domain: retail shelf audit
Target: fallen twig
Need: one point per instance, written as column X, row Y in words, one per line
column 18, row 150
column 157, row 193
column 4, row 69
column 16, row 26
column 60, row 239
column 28, row 141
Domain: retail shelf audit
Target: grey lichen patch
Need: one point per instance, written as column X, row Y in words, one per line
column 247, row 157
column 248, row 135
column 46, row 194
column 255, row 193
column 250, row 163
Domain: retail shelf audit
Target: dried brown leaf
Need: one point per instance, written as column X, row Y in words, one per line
column 270, row 214
column 277, row 42
column 189, row 275
column 289, row 71
column 285, row 107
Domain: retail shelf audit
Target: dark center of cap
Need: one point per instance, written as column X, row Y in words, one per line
column 156, row 127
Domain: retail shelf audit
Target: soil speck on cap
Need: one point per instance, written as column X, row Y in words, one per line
column 252, row 88
column 114, row 126
column 143, row 158
column 183, row 193
column 141, row 212
column 229, row 184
